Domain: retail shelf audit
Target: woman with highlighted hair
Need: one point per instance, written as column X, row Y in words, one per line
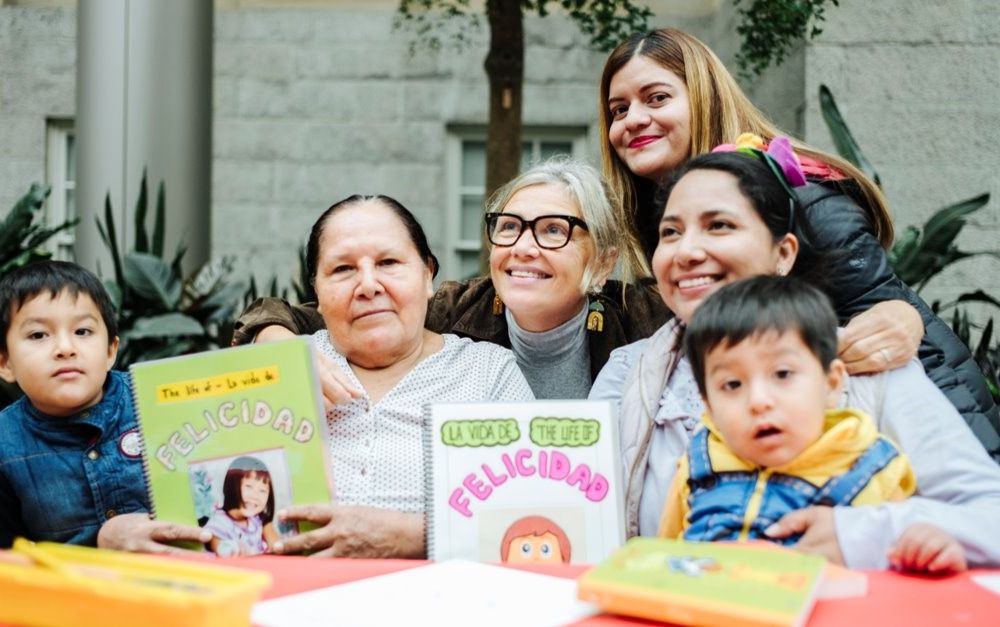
column 666, row 98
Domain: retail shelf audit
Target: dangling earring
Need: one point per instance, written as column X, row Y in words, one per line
column 595, row 319
column 497, row 305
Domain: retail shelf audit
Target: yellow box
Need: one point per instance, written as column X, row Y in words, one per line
column 57, row 584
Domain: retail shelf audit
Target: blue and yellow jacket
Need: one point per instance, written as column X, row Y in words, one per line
column 716, row 495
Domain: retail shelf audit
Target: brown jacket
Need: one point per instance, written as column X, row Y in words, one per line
column 467, row 309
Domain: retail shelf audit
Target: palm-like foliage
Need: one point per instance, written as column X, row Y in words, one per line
column 162, row 313
column 920, row 254
column 301, row 286
column 21, row 236
column 21, row 239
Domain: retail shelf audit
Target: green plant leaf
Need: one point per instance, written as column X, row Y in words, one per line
column 165, row 325
column 222, row 304
column 23, row 259
column 114, row 293
column 847, row 147
column 17, row 225
column 141, row 240
column 159, row 220
column 178, row 258
column 943, row 227
column 938, row 262
column 152, row 279
column 982, row 348
column 111, row 239
column 163, row 349
column 979, row 296
column 209, row 277
column 43, row 234
column 906, row 245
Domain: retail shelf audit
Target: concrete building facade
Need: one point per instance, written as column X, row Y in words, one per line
column 318, row 99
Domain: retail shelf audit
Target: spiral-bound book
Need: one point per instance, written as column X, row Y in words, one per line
column 523, row 482
column 231, row 437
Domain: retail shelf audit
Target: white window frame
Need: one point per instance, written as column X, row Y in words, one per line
column 59, row 132
column 455, row 244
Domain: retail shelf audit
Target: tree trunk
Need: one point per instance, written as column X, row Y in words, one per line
column 505, row 70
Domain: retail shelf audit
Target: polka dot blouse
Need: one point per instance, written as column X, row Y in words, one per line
column 376, row 448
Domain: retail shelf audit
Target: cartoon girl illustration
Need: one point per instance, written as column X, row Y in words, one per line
column 242, row 526
column 534, row 539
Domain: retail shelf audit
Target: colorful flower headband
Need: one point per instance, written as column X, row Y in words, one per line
column 780, row 159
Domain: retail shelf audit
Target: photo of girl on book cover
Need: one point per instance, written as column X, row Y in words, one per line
column 235, row 498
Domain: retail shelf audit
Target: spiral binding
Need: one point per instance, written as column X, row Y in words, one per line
column 142, row 437
column 428, row 444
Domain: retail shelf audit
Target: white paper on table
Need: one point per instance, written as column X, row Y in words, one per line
column 454, row 592
column 990, row 582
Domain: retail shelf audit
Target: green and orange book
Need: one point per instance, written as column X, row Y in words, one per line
column 211, row 417
column 705, row 583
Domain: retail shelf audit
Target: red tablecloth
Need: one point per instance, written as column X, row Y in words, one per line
column 892, row 599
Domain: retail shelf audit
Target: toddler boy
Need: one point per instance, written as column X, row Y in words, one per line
column 763, row 352
column 70, row 449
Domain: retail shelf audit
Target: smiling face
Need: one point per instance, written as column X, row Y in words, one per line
column 372, row 285
column 711, row 235
column 542, row 288
column 254, row 492
column 58, row 352
column 650, row 118
column 768, row 395
column 535, row 549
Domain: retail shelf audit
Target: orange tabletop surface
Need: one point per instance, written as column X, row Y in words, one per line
column 892, row 599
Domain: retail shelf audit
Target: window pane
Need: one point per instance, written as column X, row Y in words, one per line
column 70, row 206
column 551, row 149
column 468, row 264
column 472, row 216
column 70, row 157
column 527, row 155
column 473, row 164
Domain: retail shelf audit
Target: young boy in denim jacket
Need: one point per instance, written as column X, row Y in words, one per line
column 70, row 449
column 763, row 352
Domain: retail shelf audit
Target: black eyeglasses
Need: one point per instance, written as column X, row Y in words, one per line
column 551, row 232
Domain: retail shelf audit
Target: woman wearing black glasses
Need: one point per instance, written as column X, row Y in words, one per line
column 554, row 239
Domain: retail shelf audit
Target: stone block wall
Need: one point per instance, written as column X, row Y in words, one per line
column 312, row 105
column 918, row 82
column 37, row 81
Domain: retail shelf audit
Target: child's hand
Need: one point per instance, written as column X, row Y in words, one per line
column 929, row 549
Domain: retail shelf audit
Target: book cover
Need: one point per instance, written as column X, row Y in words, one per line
column 523, row 482
column 705, row 583
column 232, row 436
column 63, row 584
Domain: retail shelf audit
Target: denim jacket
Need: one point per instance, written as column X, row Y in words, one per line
column 62, row 478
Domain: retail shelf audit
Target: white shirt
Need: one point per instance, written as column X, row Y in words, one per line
column 377, row 448
column 679, row 411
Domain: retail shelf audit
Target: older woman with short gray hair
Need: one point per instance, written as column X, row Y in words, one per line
column 554, row 241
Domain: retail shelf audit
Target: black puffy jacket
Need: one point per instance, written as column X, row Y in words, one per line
column 865, row 278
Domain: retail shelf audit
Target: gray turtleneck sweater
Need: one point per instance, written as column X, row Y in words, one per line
column 556, row 362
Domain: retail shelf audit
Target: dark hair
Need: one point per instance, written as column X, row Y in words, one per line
column 409, row 221
column 232, row 494
column 27, row 282
column 771, row 201
column 756, row 305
